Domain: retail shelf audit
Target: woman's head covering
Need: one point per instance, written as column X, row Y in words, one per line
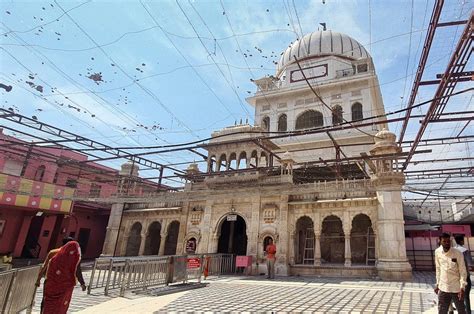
column 62, row 266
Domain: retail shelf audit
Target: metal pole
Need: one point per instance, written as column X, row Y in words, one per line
column 111, row 263
column 92, row 278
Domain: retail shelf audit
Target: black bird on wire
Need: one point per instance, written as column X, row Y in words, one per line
column 6, row 87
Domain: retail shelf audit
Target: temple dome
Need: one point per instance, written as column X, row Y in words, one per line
column 321, row 44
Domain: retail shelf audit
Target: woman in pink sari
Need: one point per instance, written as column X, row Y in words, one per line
column 61, row 268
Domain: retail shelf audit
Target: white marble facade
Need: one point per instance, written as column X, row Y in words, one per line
column 355, row 223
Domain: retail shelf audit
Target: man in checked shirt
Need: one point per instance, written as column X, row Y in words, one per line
column 450, row 276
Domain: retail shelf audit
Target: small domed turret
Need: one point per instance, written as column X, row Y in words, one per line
column 129, row 169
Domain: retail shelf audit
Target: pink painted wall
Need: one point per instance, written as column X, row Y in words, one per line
column 421, row 243
column 87, row 219
column 42, row 157
column 13, row 219
column 48, row 225
column 25, row 225
column 451, row 229
column 97, row 224
column 454, row 229
column 94, row 218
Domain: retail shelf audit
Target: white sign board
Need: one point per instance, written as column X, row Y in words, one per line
column 231, row 217
column 309, row 73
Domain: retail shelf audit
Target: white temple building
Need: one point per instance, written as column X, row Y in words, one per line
column 326, row 216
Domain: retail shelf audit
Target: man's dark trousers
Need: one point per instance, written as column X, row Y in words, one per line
column 445, row 299
column 467, row 290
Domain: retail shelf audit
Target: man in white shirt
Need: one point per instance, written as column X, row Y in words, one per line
column 450, row 276
column 469, row 266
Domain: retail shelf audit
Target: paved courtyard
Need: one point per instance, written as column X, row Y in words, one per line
column 284, row 294
column 308, row 295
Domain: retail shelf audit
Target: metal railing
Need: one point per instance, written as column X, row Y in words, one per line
column 110, row 272
column 220, row 264
column 17, row 289
column 141, row 272
column 5, row 267
column 424, row 259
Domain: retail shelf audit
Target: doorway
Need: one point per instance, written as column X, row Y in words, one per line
column 134, row 240
column 83, row 239
column 153, row 239
column 171, row 241
column 332, row 241
column 32, row 249
column 233, row 236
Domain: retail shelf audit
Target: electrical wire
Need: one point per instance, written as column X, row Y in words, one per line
column 147, row 91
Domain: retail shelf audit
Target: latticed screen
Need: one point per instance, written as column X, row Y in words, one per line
column 282, row 125
column 309, row 119
column 357, row 112
column 336, row 115
column 266, row 123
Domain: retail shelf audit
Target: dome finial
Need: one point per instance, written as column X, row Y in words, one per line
column 323, row 25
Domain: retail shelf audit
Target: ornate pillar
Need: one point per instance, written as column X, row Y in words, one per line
column 253, row 243
column 122, row 250
column 347, row 250
column 206, row 228
column 392, row 262
column 161, row 251
column 218, row 164
column 347, row 224
column 182, row 231
column 317, row 237
column 284, row 239
column 317, row 248
column 291, row 248
column 142, row 243
column 227, row 162
column 209, row 165
column 376, row 245
column 213, row 242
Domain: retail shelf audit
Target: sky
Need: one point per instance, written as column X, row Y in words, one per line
column 133, row 73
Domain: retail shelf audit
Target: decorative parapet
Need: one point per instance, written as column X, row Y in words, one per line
column 335, row 205
column 387, row 170
column 267, row 84
column 252, row 178
column 231, row 178
column 146, row 205
column 333, row 190
column 388, row 178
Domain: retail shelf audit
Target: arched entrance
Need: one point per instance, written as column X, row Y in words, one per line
column 134, row 240
column 332, row 240
column 191, row 245
column 305, row 241
column 266, row 241
column 153, row 239
column 361, row 228
column 233, row 236
column 172, row 238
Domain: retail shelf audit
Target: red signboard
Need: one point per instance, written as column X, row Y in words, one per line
column 243, row 261
column 194, row 262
